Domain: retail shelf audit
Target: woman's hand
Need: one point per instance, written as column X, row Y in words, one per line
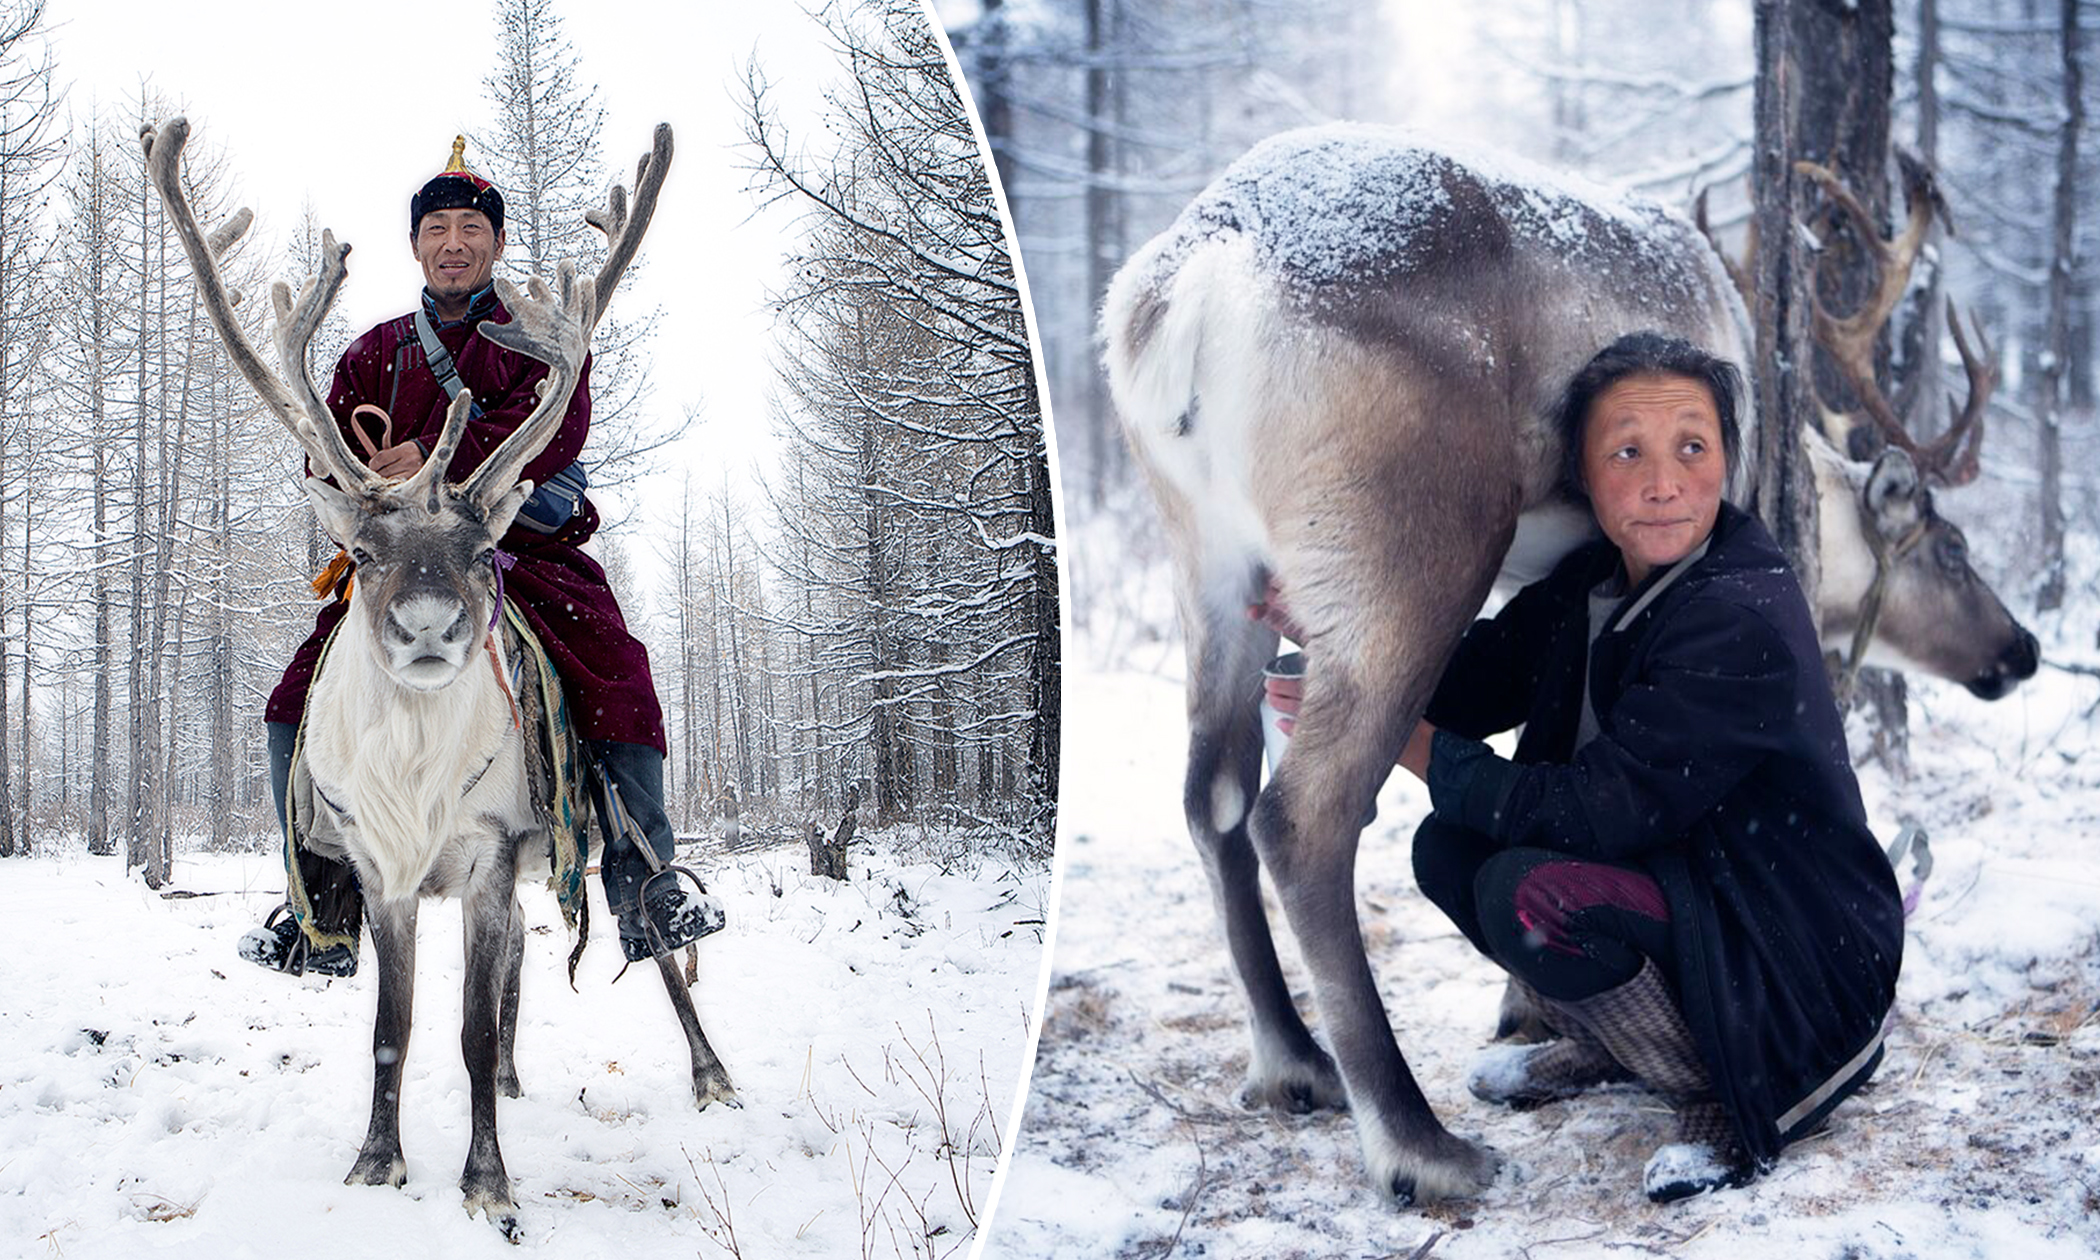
column 1415, row 757
column 1285, row 693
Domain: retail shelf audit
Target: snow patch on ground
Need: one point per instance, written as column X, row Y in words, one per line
column 160, row 1096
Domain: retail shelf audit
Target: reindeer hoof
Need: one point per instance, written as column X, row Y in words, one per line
column 1452, row 1169
column 378, row 1168
column 503, row 1217
column 714, row 1087
column 507, row 1085
column 1299, row 1088
column 1402, row 1192
column 489, row 1194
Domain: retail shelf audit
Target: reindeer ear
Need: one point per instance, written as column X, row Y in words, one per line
column 1895, row 498
column 338, row 511
column 505, row 509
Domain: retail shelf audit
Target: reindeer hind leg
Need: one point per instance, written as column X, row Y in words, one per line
column 710, row 1079
column 1383, row 602
column 1286, row 1070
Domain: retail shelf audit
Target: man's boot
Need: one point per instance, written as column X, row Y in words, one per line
column 633, row 811
column 1639, row 1024
column 1528, row 1076
column 331, row 890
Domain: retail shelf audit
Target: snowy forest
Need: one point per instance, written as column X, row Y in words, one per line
column 1108, row 117
column 875, row 621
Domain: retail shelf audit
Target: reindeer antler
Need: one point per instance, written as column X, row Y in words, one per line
column 1982, row 371
column 299, row 408
column 1738, row 271
column 624, row 231
column 1952, row 458
column 555, row 327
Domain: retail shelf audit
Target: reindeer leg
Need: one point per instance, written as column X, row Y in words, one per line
column 491, row 931
column 1286, row 1068
column 710, row 1078
column 514, row 965
column 393, row 927
column 1382, row 617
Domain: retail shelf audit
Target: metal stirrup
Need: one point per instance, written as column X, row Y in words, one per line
column 624, row 823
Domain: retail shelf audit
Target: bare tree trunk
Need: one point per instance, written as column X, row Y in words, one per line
column 740, row 696
column 1825, row 74
column 1925, row 322
column 1785, row 491
column 688, row 661
column 7, row 792
column 99, row 734
column 138, row 775
column 2057, row 351
column 1100, row 211
column 27, row 786
column 1045, row 668
column 219, row 800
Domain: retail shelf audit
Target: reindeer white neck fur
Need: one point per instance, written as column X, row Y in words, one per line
column 396, row 757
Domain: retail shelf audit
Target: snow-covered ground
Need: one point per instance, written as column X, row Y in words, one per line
column 158, row 1096
column 1980, row 1137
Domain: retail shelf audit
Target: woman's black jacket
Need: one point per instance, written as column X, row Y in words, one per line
column 1719, row 768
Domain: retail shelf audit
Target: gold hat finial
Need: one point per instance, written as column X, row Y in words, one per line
column 458, row 164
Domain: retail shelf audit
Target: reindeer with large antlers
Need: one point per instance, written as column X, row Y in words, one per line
column 414, row 739
column 1913, row 567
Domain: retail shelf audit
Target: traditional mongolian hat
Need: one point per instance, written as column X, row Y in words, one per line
column 456, row 188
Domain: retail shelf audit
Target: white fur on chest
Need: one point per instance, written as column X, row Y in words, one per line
column 396, row 761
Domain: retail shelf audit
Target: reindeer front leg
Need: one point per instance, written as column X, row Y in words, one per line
column 514, row 966
column 491, row 924
column 1286, row 1068
column 393, row 926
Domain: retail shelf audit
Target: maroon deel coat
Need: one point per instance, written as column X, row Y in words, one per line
column 562, row 591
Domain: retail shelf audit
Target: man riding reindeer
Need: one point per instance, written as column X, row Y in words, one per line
column 390, row 394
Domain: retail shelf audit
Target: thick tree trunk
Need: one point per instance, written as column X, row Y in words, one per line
column 1104, row 251
column 1045, row 671
column 1925, row 322
column 2056, row 353
column 1825, row 76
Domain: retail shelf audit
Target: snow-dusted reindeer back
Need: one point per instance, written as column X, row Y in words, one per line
column 1337, row 368
column 409, row 733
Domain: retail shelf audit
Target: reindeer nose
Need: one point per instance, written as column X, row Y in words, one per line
column 2023, row 657
column 426, row 617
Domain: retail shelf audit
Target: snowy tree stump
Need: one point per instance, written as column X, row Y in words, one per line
column 828, row 857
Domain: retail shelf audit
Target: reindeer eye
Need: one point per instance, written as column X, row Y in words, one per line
column 358, row 555
column 1954, row 553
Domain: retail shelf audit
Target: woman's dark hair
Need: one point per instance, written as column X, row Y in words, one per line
column 1646, row 353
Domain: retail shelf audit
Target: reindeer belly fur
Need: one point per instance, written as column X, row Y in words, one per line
column 1222, row 374
column 396, row 760
column 1208, row 359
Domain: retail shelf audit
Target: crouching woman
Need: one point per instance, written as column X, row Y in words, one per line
column 1676, row 862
